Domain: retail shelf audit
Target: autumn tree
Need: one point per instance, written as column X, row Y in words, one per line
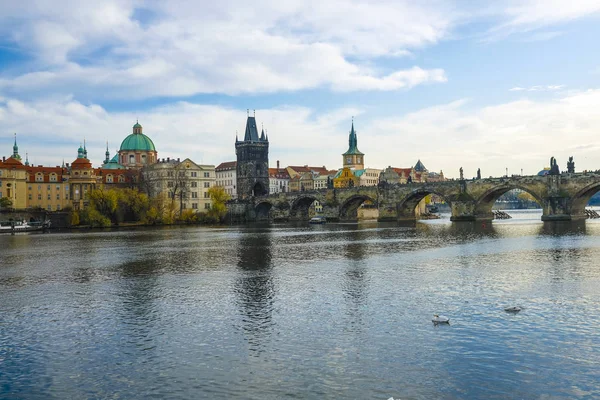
column 218, row 197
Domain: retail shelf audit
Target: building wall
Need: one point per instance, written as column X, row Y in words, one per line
column 13, row 184
column 370, row 177
column 226, row 177
column 185, row 182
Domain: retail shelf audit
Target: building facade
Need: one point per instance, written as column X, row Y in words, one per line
column 279, row 180
column 226, row 177
column 252, row 169
column 183, row 182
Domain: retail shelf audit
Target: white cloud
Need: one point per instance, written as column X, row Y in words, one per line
column 537, row 88
column 232, row 47
column 519, row 134
column 526, row 16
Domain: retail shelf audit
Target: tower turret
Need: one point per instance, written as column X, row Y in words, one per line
column 15, row 154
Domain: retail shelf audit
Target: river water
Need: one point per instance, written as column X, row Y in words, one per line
column 309, row 312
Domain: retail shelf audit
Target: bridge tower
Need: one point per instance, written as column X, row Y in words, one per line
column 353, row 158
column 252, row 162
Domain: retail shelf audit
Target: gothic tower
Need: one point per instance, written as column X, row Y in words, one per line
column 252, row 162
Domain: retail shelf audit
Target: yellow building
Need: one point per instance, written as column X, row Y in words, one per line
column 13, row 179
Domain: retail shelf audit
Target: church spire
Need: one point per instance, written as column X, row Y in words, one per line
column 27, row 159
column 16, row 155
column 107, row 154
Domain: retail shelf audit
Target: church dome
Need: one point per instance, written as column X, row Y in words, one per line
column 137, row 141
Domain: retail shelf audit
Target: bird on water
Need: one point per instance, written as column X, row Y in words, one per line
column 440, row 319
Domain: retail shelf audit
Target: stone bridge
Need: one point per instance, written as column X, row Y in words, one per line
column 562, row 198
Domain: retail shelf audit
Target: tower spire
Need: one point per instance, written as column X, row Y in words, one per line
column 26, row 158
column 16, row 155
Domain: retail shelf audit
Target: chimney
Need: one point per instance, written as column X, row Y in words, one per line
column 168, row 159
column 178, row 159
column 277, row 164
column 3, row 158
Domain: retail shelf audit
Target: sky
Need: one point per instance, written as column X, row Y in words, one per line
column 501, row 86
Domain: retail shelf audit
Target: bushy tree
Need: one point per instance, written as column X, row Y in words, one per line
column 5, row 202
column 218, row 197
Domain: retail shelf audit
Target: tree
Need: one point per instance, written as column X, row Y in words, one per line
column 5, row 202
column 219, row 197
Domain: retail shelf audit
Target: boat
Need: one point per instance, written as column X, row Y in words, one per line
column 433, row 209
column 514, row 309
column 317, row 220
column 23, row 226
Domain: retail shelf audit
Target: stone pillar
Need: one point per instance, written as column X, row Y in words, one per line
column 464, row 210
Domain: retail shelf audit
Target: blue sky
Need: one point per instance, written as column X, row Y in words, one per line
column 453, row 83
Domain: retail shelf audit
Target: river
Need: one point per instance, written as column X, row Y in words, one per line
column 309, row 312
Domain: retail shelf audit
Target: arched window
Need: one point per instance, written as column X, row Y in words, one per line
column 109, row 178
column 143, row 159
column 131, row 159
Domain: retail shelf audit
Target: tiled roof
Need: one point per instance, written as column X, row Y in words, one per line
column 226, row 166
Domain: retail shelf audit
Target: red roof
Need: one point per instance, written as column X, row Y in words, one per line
column 402, row 171
column 279, row 173
column 46, row 171
column 225, row 166
column 320, row 170
column 81, row 163
column 12, row 163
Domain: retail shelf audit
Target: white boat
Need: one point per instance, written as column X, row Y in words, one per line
column 22, row 226
column 317, row 220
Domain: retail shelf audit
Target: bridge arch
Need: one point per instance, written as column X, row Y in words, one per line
column 485, row 202
column 582, row 198
column 406, row 208
column 299, row 208
column 349, row 208
column 263, row 209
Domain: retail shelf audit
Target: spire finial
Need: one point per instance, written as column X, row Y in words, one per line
column 248, row 111
column 15, row 138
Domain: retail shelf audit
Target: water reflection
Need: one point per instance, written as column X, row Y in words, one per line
column 560, row 228
column 254, row 288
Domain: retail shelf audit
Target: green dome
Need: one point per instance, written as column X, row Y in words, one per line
column 137, row 142
column 137, row 125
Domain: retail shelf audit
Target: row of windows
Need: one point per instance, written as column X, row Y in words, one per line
column 49, row 187
column 195, row 206
column 192, row 184
column 225, row 182
column 49, row 197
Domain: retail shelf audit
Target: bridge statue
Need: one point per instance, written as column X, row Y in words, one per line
column 571, row 165
column 554, row 167
column 478, row 173
column 461, row 173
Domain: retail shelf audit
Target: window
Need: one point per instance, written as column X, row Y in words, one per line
column 207, row 206
column 170, row 184
column 194, row 174
column 57, row 187
column 194, row 184
column 170, row 174
column 30, row 196
column 349, row 160
column 206, row 195
column 30, row 187
column 194, row 195
column 57, row 196
column 143, row 159
column 49, row 207
column 195, row 206
column 48, row 196
column 121, row 178
column 39, row 177
column 39, row 196
column 206, row 184
column 183, row 205
column 109, row 178
column 53, row 178
column 58, row 207
column 39, row 187
column 207, row 174
column 131, row 159
column 49, row 187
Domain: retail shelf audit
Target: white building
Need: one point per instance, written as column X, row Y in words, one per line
column 226, row 177
column 279, row 180
column 184, row 181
